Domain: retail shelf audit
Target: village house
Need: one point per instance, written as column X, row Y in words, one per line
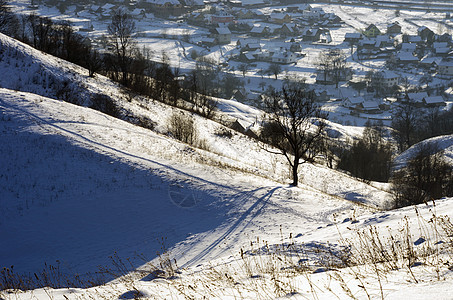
column 448, row 93
column 288, row 30
column 251, row 46
column 248, row 56
column 245, row 14
column 353, row 103
column 162, row 7
column 295, row 47
column 280, row 18
column 425, row 33
column 251, row 3
column 221, row 17
column 222, row 35
column 417, row 98
column 260, row 31
column 408, row 47
column 412, row 39
column 241, row 43
column 325, row 37
column 314, row 34
column 313, row 12
column 441, row 48
column 206, row 41
column 371, row 31
column 405, row 57
column 389, row 79
column 445, row 67
column 394, row 28
column 284, row 57
column 446, row 37
column 353, row 37
column 369, row 107
column 430, row 63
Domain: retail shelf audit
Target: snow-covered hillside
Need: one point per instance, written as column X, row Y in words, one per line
column 83, row 191
column 441, row 143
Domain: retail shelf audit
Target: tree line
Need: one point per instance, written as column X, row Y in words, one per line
column 123, row 61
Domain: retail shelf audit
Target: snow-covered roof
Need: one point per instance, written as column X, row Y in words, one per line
column 408, row 47
column 431, row 60
column 414, row 39
column 251, row 2
column 417, row 97
column 223, row 30
column 389, row 74
column 108, row 6
column 393, row 24
column 247, row 41
column 446, row 63
column 278, row 16
column 449, row 91
column 440, row 45
column 370, row 105
column 434, row 100
column 406, row 57
column 356, row 100
column 420, row 29
column 162, row 2
column 258, row 29
column 444, row 50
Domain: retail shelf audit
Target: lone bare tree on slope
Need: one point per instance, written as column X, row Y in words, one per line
column 294, row 124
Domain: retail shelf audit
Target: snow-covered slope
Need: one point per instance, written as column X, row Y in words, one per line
column 76, row 175
column 81, row 190
column 440, row 143
column 79, row 186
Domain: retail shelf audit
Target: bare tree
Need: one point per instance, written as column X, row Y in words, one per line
column 405, row 121
column 332, row 64
column 294, row 125
column 243, row 68
column 4, row 13
column 376, row 83
column 274, row 69
column 93, row 61
column 122, row 42
column 8, row 22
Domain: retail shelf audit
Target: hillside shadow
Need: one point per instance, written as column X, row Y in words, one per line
column 83, row 211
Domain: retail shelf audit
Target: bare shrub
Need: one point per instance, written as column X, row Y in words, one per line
column 182, row 127
column 223, row 132
column 105, row 104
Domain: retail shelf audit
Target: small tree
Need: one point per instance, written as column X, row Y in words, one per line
column 290, row 117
